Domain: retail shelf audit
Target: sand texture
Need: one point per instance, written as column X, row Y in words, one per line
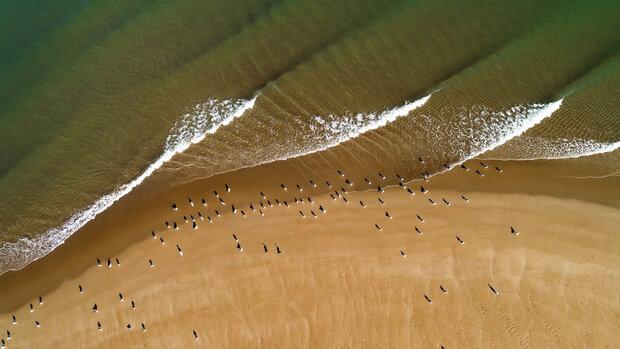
column 357, row 275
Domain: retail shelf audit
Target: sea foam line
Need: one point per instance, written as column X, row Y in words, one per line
column 535, row 115
column 325, row 132
column 205, row 118
column 336, row 130
column 550, row 149
column 523, row 119
column 589, row 148
column 500, row 129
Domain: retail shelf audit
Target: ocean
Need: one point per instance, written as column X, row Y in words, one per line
column 98, row 96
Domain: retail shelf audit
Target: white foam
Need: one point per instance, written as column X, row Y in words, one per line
column 349, row 127
column 329, row 131
column 535, row 148
column 204, row 118
column 478, row 130
column 481, row 130
column 583, row 147
column 492, row 129
column 522, row 119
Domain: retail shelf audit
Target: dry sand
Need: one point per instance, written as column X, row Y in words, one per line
column 338, row 281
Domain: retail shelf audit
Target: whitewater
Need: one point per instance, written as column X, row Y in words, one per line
column 494, row 130
column 205, row 118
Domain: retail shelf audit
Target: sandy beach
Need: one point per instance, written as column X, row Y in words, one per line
column 402, row 273
column 309, row 173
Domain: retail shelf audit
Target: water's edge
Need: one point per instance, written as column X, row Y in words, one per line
column 206, row 118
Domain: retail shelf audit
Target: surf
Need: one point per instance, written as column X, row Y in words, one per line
column 535, row 148
column 193, row 126
column 483, row 129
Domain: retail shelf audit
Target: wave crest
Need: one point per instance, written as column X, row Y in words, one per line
column 330, row 130
column 537, row 148
column 203, row 119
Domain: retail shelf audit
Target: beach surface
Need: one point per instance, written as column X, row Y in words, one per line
column 358, row 274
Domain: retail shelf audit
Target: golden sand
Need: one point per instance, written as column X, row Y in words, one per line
column 353, row 276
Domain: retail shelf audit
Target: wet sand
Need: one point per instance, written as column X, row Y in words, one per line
column 353, row 276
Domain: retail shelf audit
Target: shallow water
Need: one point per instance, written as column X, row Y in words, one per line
column 93, row 95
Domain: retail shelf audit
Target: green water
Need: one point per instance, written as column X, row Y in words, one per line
column 90, row 90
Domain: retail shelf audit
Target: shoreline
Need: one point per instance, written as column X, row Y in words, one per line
column 183, row 135
column 339, row 241
column 614, row 154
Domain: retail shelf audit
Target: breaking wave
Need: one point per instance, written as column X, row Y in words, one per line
column 477, row 132
column 537, row 148
column 329, row 131
column 204, row 118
